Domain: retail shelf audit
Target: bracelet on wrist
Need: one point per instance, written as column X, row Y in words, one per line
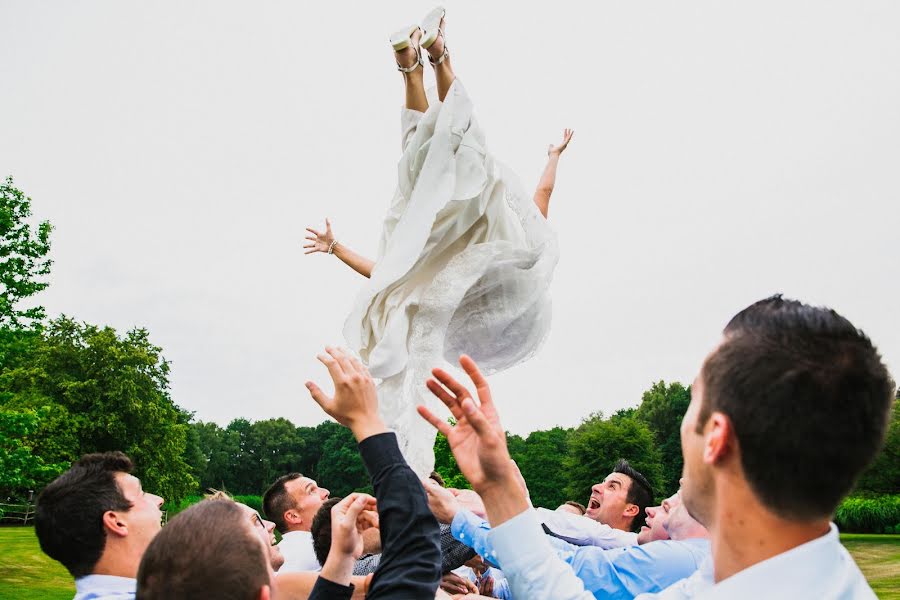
column 331, row 247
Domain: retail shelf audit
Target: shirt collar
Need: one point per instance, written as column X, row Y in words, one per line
column 817, row 555
column 106, row 584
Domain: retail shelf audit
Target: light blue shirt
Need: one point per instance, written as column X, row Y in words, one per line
column 618, row 573
column 105, row 587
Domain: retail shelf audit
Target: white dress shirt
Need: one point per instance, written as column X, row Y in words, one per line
column 821, row 569
column 105, row 587
column 583, row 531
column 297, row 548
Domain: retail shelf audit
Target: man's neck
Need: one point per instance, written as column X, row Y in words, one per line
column 118, row 560
column 744, row 533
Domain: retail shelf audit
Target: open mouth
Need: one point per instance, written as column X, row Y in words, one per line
column 594, row 504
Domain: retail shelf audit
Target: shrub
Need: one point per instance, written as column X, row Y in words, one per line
column 173, row 508
column 872, row 514
column 254, row 502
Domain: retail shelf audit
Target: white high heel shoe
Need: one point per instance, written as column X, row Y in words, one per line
column 431, row 27
column 403, row 39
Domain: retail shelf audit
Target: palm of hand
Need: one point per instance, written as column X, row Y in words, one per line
column 319, row 241
column 480, row 458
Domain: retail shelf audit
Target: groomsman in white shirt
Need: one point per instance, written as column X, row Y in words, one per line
column 291, row 503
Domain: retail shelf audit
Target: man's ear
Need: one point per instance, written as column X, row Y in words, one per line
column 631, row 510
column 717, row 438
column 292, row 517
column 264, row 593
column 115, row 524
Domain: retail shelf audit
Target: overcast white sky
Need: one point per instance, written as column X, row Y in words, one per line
column 723, row 151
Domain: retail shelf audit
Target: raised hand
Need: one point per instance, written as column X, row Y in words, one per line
column 349, row 518
column 558, row 149
column 355, row 401
column 441, row 501
column 470, row 500
column 320, row 241
column 477, row 440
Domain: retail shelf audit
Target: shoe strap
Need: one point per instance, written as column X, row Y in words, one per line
column 445, row 54
column 419, row 61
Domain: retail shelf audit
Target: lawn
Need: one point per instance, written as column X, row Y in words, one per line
column 27, row 574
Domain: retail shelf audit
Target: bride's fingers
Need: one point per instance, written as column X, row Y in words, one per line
column 313, row 251
column 313, row 231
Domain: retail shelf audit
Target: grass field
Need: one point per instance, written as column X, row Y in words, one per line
column 27, row 574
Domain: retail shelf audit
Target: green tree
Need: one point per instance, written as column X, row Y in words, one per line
column 598, row 443
column 20, row 469
column 662, row 408
column 102, row 392
column 541, row 462
column 277, row 448
column 883, row 476
column 340, row 467
column 23, row 257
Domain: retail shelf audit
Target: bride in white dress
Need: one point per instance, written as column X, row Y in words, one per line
column 466, row 256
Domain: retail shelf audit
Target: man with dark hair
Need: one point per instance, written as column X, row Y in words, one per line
column 210, row 550
column 639, row 495
column 291, row 503
column 97, row 521
column 787, row 411
column 615, row 511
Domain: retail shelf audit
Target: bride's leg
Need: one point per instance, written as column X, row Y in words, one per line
column 413, row 80
column 415, row 90
column 443, row 70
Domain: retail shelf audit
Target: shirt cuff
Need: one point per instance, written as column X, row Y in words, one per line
column 380, row 451
column 463, row 524
column 520, row 544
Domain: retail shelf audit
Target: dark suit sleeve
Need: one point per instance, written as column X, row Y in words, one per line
column 410, row 564
column 454, row 554
column 325, row 589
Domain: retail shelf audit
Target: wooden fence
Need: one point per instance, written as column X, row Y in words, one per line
column 20, row 514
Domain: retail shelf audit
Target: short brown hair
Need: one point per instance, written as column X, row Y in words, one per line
column 277, row 501
column 206, row 551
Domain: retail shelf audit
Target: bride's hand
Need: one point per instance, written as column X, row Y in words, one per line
column 319, row 241
column 557, row 150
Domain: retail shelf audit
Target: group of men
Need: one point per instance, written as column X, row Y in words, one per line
column 785, row 414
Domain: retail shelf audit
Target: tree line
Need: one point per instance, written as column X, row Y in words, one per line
column 68, row 388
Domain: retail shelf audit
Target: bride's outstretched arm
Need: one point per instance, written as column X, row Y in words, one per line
column 548, row 177
column 324, row 241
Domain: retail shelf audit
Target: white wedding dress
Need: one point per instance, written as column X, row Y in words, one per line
column 464, row 266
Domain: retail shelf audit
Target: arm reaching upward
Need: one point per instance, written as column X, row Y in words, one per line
column 323, row 241
column 548, row 177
